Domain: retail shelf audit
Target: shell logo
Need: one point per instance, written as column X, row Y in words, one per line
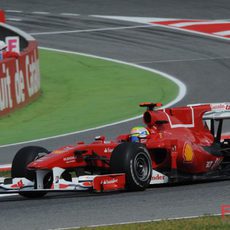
column 188, row 153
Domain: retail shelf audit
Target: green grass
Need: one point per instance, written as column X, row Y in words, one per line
column 202, row 223
column 5, row 174
column 79, row 92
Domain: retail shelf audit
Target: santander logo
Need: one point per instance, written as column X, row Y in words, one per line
column 110, row 181
column 158, row 177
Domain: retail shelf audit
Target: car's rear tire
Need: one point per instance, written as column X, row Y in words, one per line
column 19, row 166
column 134, row 160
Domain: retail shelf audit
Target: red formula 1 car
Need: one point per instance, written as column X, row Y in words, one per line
column 177, row 144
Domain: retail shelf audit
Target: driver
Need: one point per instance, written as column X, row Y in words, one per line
column 137, row 133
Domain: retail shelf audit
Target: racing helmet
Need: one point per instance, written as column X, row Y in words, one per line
column 2, row 45
column 137, row 133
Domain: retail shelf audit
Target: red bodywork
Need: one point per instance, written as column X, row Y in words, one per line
column 2, row 16
column 179, row 139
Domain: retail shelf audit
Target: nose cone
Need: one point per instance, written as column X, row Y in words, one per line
column 51, row 160
column 45, row 162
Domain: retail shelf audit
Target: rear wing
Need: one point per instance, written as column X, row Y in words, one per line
column 219, row 111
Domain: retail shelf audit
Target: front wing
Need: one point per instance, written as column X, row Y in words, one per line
column 97, row 183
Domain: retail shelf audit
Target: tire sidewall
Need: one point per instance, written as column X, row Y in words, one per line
column 133, row 180
column 19, row 167
column 124, row 159
column 22, row 158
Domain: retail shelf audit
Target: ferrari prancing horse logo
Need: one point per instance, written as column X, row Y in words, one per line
column 188, row 153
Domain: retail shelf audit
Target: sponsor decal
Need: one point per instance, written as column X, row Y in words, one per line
column 19, row 184
column 188, row 153
column 19, row 81
column 208, row 164
column 87, row 184
column 158, row 177
column 70, row 159
column 220, row 107
column 108, row 150
column 63, row 186
column 63, row 150
column 58, row 151
column 109, row 182
column 217, row 163
column 112, row 181
column 6, row 100
column 213, row 164
column 12, row 43
column 225, row 210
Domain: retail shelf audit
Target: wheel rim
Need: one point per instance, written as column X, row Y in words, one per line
column 141, row 166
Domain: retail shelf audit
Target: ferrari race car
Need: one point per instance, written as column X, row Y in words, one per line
column 180, row 144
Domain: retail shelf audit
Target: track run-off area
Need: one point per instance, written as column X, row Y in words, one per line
column 74, row 85
column 201, row 62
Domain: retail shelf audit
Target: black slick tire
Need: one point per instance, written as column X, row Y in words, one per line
column 19, row 166
column 134, row 160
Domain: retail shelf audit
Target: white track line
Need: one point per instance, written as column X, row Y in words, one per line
column 149, row 20
column 69, row 14
column 40, row 12
column 138, row 222
column 14, row 19
column 180, row 96
column 13, row 11
column 223, row 33
column 5, row 166
column 91, row 30
column 6, row 195
column 143, row 20
column 183, row 60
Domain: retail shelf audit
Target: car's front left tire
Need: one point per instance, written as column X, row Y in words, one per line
column 19, row 167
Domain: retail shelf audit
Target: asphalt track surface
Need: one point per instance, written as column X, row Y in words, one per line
column 202, row 63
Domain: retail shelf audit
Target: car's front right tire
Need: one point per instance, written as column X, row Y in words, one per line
column 134, row 160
